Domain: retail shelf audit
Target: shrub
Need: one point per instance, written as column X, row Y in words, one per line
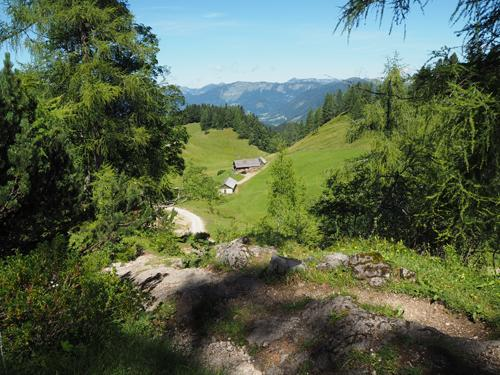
column 54, row 301
column 287, row 216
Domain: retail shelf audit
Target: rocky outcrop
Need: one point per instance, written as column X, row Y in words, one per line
column 370, row 267
column 227, row 357
column 333, row 261
column 237, row 253
column 281, row 265
column 159, row 280
column 357, row 329
column 321, row 333
column 406, row 274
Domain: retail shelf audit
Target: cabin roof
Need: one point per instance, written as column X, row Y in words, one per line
column 247, row 163
column 230, row 183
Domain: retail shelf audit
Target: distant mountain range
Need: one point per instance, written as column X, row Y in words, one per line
column 274, row 103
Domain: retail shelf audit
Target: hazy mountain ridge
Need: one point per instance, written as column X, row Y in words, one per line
column 273, row 102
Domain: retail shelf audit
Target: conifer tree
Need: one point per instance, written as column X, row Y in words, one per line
column 98, row 68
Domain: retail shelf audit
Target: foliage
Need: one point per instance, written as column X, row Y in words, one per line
column 246, row 125
column 287, row 216
column 53, row 300
column 101, row 71
column 431, row 178
column 38, row 192
column 481, row 17
column 196, row 184
column 350, row 101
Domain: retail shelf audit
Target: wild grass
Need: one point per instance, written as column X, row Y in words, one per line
column 447, row 280
column 314, row 158
column 216, row 150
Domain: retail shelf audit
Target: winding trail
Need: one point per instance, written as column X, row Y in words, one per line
column 187, row 221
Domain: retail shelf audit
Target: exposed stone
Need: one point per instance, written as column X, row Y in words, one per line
column 332, row 261
column 406, row 274
column 370, row 267
column 161, row 281
column 280, row 265
column 225, row 356
column 238, row 253
column 377, row 281
column 269, row 330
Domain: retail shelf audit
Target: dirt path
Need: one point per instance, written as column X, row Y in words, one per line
column 186, row 221
column 424, row 312
column 249, row 176
column 293, row 326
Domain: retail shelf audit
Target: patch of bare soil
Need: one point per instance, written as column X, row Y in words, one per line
column 424, row 312
column 296, row 327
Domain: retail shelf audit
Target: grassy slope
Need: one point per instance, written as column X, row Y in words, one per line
column 313, row 158
column 217, row 149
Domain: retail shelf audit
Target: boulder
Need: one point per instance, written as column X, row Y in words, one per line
column 370, row 267
column 406, row 274
column 280, row 265
column 332, row 261
column 236, row 254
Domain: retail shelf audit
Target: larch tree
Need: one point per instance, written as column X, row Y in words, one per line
column 98, row 69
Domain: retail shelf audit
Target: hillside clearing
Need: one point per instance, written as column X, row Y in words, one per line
column 216, row 149
column 313, row 158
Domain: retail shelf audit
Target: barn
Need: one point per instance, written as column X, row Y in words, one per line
column 229, row 186
column 248, row 165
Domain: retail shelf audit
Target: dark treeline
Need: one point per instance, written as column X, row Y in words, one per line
column 246, row 125
column 267, row 138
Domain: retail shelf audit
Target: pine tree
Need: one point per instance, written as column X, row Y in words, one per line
column 287, row 216
column 101, row 69
column 328, row 108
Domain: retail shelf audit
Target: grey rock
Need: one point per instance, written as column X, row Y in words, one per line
column 266, row 331
column 280, row 265
column 238, row 253
column 406, row 274
column 332, row 261
column 370, row 267
column 377, row 281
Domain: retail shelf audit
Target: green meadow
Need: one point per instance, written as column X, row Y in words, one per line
column 314, row 158
column 216, row 149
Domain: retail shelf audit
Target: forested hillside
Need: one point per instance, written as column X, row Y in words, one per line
column 273, row 103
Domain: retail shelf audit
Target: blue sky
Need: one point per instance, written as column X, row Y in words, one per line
column 212, row 41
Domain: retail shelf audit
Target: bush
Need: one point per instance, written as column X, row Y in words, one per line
column 287, row 216
column 55, row 302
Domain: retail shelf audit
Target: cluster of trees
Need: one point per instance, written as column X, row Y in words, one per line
column 349, row 102
column 87, row 144
column 432, row 178
column 246, row 125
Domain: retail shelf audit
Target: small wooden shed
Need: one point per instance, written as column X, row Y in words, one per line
column 229, row 186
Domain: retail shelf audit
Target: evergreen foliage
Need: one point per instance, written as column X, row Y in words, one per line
column 88, row 142
column 287, row 215
column 432, row 177
column 246, row 125
column 38, row 196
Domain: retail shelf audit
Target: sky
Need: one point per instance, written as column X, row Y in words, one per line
column 214, row 41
